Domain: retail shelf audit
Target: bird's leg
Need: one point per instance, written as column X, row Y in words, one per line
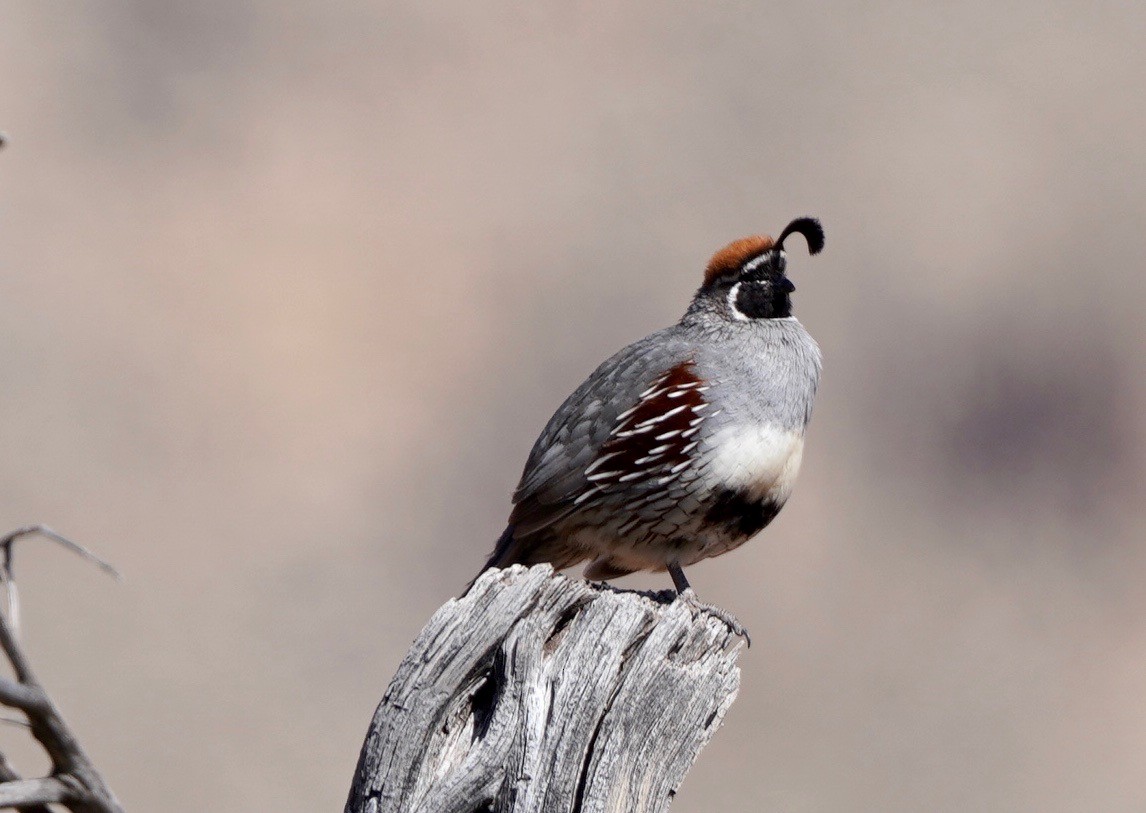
column 686, row 594
column 678, row 579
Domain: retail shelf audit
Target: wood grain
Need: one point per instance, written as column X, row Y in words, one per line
column 538, row 693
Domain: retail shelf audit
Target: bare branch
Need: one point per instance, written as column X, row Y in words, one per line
column 20, row 664
column 46, row 532
column 34, row 792
column 26, row 697
column 75, row 782
column 8, row 578
column 8, row 773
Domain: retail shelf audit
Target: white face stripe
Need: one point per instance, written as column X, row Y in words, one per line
column 752, row 265
column 736, row 314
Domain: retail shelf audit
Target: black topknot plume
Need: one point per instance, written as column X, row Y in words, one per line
column 809, row 227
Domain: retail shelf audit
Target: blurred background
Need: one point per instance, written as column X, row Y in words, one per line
column 288, row 289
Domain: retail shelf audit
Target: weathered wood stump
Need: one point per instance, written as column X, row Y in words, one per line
column 538, row 693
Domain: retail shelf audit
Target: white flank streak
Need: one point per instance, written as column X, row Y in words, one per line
column 668, row 435
column 663, row 416
column 660, row 449
column 762, row 460
column 602, row 475
column 632, row 476
column 596, row 464
column 586, row 495
column 640, row 430
column 627, row 413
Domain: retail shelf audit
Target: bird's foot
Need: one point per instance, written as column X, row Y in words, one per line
column 701, row 608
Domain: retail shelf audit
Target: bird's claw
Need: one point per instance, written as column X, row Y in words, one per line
column 698, row 607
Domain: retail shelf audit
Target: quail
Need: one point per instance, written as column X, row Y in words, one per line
column 685, row 444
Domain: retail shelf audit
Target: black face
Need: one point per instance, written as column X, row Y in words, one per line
column 761, row 291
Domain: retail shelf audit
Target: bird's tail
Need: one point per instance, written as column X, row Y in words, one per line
column 504, row 554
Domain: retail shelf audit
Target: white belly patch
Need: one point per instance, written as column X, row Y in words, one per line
column 759, row 461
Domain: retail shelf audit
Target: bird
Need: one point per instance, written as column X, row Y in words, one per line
column 683, row 445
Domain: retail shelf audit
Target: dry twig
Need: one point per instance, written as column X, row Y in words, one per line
column 74, row 781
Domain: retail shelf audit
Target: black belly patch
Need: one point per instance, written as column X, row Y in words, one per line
column 740, row 514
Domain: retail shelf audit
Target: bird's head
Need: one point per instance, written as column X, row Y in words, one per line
column 745, row 280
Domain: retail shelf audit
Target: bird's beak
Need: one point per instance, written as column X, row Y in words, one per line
column 785, row 285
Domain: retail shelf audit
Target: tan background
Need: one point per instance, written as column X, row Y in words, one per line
column 288, row 290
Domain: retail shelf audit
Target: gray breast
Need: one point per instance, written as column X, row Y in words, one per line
column 765, row 372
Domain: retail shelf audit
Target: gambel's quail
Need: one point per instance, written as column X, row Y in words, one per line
column 686, row 443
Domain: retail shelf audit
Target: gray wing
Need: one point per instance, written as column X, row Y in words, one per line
column 555, row 473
